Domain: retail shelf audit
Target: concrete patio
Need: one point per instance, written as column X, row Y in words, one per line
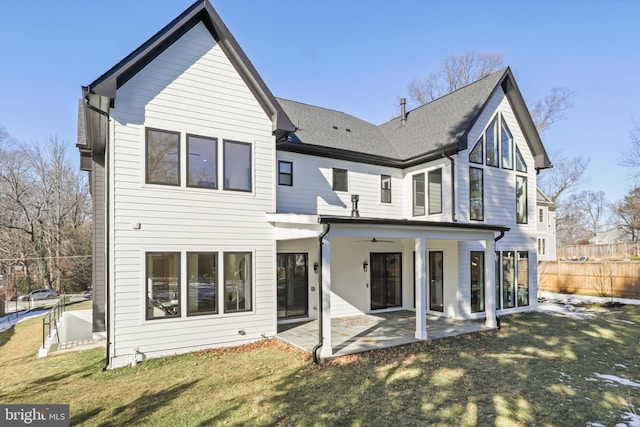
column 356, row 334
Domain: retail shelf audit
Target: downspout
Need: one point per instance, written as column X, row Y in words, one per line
column 453, row 189
column 316, row 359
column 499, row 237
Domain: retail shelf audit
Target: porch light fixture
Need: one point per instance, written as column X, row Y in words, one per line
column 365, row 264
column 315, row 267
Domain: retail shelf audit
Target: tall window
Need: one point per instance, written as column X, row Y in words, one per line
column 498, row 280
column 435, row 191
column 476, row 194
column 541, row 246
column 238, row 283
column 162, row 284
column 237, row 166
column 475, row 156
column 506, row 144
column 477, row 281
column 521, row 165
column 521, row 199
column 418, row 194
column 202, row 283
column 492, row 143
column 508, row 279
column 285, row 173
column 523, row 278
column 541, row 215
column 163, row 157
column 202, row 162
column 340, row 180
column 385, row 188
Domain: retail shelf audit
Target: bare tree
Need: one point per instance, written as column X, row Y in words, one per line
column 44, row 205
column 632, row 154
column 627, row 212
column 457, row 71
column 565, row 174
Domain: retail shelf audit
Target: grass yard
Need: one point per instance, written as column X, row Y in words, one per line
column 538, row 370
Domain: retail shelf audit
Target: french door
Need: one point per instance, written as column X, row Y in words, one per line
column 293, row 297
column 386, row 280
column 436, row 275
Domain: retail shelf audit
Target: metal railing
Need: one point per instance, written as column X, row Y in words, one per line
column 50, row 320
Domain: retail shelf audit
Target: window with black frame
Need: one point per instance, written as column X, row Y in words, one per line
column 202, row 283
column 477, row 281
column 385, row 188
column 202, row 162
column 238, row 282
column 162, row 157
column 162, row 285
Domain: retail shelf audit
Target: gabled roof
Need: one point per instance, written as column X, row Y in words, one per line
column 543, row 200
column 440, row 126
column 201, row 11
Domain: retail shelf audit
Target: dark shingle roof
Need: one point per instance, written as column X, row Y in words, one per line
column 429, row 129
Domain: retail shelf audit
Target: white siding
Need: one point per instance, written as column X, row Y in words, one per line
column 191, row 88
column 312, row 191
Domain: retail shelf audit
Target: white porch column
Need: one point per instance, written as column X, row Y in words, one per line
column 490, row 283
column 327, row 350
column 421, row 289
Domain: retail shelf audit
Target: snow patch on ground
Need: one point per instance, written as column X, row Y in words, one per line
column 8, row 321
column 615, row 379
column 565, row 305
column 633, row 420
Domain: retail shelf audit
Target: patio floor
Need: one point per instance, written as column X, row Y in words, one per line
column 356, row 334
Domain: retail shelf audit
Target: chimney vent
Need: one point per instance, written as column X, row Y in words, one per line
column 403, row 110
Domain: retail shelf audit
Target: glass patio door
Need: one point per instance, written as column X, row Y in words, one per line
column 293, row 300
column 436, row 294
column 386, row 280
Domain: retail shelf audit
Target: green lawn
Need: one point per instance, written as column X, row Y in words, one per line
column 537, row 370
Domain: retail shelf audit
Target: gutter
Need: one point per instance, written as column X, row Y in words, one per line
column 316, row 359
column 453, row 189
column 499, row 237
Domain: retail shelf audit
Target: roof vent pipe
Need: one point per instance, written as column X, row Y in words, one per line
column 354, row 205
column 403, row 110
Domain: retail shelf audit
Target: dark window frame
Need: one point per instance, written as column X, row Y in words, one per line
column 226, row 187
column 479, row 154
column 228, row 302
column 146, row 157
column 522, row 217
column 215, row 162
column 216, row 275
column 418, row 210
column 505, row 128
column 385, row 193
column 335, row 173
column 429, row 198
column 495, row 143
column 282, row 174
column 471, row 200
column 480, row 278
column 172, row 311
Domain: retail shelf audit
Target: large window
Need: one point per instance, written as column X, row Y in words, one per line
column 477, row 281
column 476, row 194
column 202, row 162
column 163, row 157
column 476, row 154
column 521, row 165
column 523, row 278
column 237, row 166
column 508, row 279
column 521, row 199
column 418, row 194
column 162, row 285
column 385, row 188
column 492, row 143
column 285, row 173
column 435, row 191
column 506, row 144
column 202, row 283
column 340, row 180
column 238, row 283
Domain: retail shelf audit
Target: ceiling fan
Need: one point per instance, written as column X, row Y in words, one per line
column 374, row 240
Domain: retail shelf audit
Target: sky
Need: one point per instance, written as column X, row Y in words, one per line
column 353, row 56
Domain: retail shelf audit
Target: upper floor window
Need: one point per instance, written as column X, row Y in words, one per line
column 540, row 215
column 163, row 157
column 418, row 194
column 521, row 199
column 202, row 162
column 340, row 180
column 498, row 141
column 435, row 191
column 476, row 194
column 285, row 173
column 385, row 189
column 237, row 166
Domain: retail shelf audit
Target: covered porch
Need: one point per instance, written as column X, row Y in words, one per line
column 357, row 334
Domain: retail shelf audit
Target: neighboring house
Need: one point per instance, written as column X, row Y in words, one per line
column 546, row 219
column 614, row 235
column 220, row 211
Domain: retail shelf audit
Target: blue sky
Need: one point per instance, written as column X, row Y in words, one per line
column 352, row 56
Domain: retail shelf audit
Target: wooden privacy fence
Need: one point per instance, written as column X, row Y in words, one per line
column 605, row 251
column 606, row 278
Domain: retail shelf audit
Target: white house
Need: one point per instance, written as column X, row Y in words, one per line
column 220, row 211
column 546, row 219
